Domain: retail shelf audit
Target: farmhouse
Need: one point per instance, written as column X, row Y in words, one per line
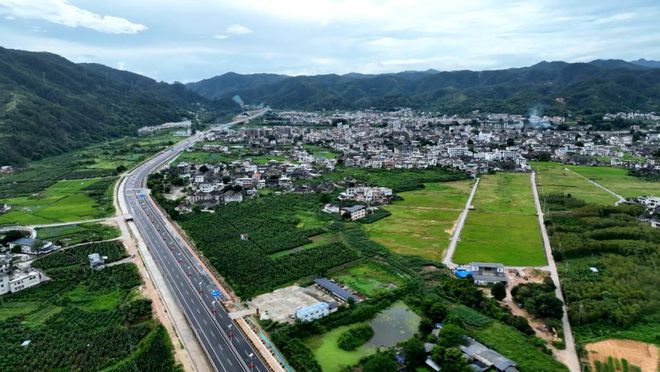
column 356, row 212
column 313, row 312
column 95, row 260
column 484, row 273
column 32, row 246
column 14, row 281
column 484, row 359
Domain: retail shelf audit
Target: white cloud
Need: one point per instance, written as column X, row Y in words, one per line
column 220, row 36
column 63, row 13
column 238, row 29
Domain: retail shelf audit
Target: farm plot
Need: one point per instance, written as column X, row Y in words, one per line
column 503, row 226
column 618, row 180
column 70, row 200
column 556, row 178
column 369, row 278
column 421, row 224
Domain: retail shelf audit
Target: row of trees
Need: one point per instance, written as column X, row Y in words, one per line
column 72, row 328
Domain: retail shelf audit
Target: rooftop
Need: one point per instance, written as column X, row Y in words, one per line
column 334, row 288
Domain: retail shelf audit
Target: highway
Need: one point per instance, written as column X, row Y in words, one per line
column 223, row 342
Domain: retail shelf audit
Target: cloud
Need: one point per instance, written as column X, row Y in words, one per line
column 63, row 13
column 238, row 29
column 220, row 36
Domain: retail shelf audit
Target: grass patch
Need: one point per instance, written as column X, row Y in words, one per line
column 10, row 309
column 369, row 278
column 74, row 234
column 556, row 178
column 42, row 315
column 64, row 201
column 422, row 222
column 330, row 356
column 503, row 227
column 515, row 346
column 618, row 180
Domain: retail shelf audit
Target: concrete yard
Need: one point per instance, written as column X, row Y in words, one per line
column 282, row 303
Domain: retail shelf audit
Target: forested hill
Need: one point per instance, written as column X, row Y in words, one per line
column 49, row 105
column 553, row 87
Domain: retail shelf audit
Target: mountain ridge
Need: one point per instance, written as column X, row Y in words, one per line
column 50, row 105
column 597, row 86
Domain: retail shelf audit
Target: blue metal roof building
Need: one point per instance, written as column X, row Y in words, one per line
column 335, row 289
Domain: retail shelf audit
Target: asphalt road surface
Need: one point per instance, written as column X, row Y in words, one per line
column 224, row 343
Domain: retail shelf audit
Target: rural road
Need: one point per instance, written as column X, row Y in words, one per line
column 568, row 355
column 459, row 226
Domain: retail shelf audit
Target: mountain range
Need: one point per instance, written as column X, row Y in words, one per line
column 550, row 87
column 49, row 105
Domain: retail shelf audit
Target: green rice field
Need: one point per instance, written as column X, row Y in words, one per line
column 503, row 226
column 421, row 224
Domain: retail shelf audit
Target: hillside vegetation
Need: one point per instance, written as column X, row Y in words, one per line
column 599, row 86
column 49, row 105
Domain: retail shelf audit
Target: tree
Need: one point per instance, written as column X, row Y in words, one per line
column 415, row 352
column 425, row 326
column 451, row 335
column 510, row 142
column 204, row 168
column 437, row 312
column 120, row 169
column 454, row 361
column 498, row 290
column 380, row 362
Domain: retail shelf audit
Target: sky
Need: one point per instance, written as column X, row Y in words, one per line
column 191, row 40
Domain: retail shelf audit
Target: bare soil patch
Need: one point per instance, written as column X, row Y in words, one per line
column 641, row 354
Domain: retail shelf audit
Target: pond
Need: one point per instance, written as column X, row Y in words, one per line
column 395, row 324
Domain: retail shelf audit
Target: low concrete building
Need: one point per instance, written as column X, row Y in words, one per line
column 356, row 212
column 313, row 312
column 487, row 273
column 95, row 260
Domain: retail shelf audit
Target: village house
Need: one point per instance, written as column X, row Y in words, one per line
column 355, row 212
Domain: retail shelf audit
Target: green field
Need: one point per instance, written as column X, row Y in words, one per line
column 95, row 161
column 71, row 200
column 421, row 223
column 618, row 180
column 369, row 278
column 330, row 356
column 556, row 178
column 319, row 151
column 515, row 346
column 503, row 226
column 79, row 310
column 74, row 234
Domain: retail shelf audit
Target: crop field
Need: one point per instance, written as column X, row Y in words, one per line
column 74, row 234
column 556, row 178
column 503, row 226
column 369, row 278
column 69, row 200
column 618, row 180
column 507, row 341
column 79, row 310
column 421, row 224
column 95, row 161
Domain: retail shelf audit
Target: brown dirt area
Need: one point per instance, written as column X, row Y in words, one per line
column 637, row 353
